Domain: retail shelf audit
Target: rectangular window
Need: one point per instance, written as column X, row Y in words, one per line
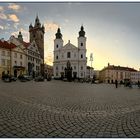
column 3, row 62
column 56, row 68
column 20, row 63
column 15, row 55
column 68, row 55
column 8, row 62
column 21, row 56
column 8, row 53
column 3, row 53
column 62, row 55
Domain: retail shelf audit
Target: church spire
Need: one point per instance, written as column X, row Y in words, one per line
column 82, row 32
column 58, row 34
column 37, row 22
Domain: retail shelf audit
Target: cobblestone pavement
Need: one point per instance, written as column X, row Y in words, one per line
column 63, row 109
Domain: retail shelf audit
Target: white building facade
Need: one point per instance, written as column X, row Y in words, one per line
column 27, row 55
column 111, row 73
column 135, row 76
column 70, row 54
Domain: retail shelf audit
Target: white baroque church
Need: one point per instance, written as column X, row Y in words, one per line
column 69, row 58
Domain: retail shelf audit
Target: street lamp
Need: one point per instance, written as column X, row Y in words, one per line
column 91, row 59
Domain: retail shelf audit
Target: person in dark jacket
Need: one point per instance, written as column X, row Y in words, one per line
column 116, row 83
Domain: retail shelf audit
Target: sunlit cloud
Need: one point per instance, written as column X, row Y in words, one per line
column 14, row 7
column 1, row 8
column 49, row 58
column 3, row 16
column 13, row 17
column 1, row 27
column 16, row 25
column 50, row 26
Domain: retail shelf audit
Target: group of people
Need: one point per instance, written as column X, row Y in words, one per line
column 127, row 84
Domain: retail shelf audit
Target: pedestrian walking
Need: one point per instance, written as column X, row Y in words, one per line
column 116, row 83
column 138, row 84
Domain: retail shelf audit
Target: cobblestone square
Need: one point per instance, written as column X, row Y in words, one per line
column 67, row 109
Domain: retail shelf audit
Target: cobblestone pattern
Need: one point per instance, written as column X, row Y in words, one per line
column 61, row 109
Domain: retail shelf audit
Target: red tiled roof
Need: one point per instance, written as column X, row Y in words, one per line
column 26, row 44
column 112, row 67
column 6, row 45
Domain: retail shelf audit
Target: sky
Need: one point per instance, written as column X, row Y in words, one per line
column 112, row 29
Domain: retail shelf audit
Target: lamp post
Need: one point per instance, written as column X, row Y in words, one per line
column 91, row 59
column 78, row 63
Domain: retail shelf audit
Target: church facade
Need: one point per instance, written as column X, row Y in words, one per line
column 70, row 61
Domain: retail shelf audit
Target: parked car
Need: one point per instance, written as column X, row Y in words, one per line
column 39, row 78
column 13, row 78
column 28, row 77
column 25, row 78
column 6, row 78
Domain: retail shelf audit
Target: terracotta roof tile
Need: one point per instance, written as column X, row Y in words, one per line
column 6, row 45
column 112, row 67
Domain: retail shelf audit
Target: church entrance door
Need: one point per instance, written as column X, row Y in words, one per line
column 68, row 71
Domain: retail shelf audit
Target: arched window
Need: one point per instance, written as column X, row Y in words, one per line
column 68, row 54
column 81, row 67
column 57, row 46
column 81, row 55
column 81, row 44
column 56, row 57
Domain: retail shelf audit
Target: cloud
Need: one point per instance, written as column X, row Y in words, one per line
column 3, row 16
column 16, row 25
column 13, row 17
column 49, row 58
column 14, row 7
column 66, row 20
column 1, row 8
column 50, row 26
column 1, row 27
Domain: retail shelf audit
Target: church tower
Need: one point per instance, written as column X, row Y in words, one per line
column 82, row 51
column 82, row 39
column 37, row 33
column 58, row 44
